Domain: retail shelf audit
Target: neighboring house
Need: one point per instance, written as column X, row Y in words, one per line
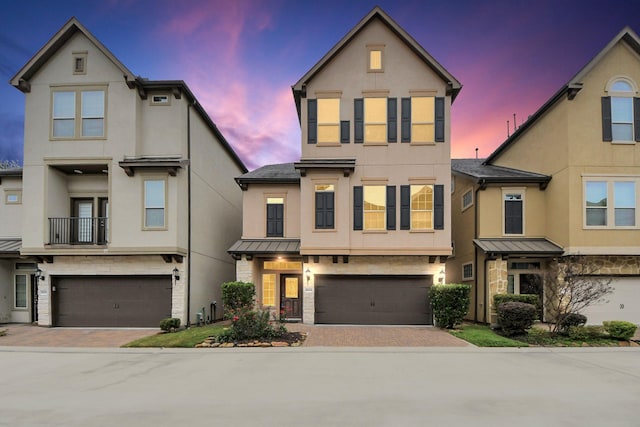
column 566, row 182
column 128, row 198
column 17, row 273
column 359, row 229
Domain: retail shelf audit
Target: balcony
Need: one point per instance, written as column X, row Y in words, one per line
column 78, row 231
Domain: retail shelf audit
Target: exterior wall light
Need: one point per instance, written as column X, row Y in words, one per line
column 308, row 273
column 39, row 274
column 176, row 274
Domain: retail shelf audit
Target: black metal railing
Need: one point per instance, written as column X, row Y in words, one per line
column 78, row 231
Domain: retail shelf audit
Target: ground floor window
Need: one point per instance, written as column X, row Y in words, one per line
column 269, row 290
column 20, row 291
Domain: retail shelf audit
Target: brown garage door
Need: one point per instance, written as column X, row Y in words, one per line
column 373, row 300
column 107, row 301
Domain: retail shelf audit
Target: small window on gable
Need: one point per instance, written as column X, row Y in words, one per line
column 13, row 197
column 467, row 271
column 79, row 62
column 619, row 123
column 467, row 199
column 375, row 58
column 160, row 100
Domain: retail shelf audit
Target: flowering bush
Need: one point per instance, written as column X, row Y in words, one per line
column 252, row 324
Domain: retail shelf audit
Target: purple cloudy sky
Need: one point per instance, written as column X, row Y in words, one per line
column 240, row 57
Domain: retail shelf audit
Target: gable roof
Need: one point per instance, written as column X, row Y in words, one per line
column 68, row 30
column 486, row 174
column 283, row 173
column 570, row 89
column 299, row 88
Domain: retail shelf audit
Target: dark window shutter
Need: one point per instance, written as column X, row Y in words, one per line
column 438, row 207
column 636, row 119
column 357, row 207
column 606, row 119
column 329, row 210
column 391, row 207
column 320, row 210
column 324, row 210
column 358, row 120
column 344, row 132
column 406, row 120
column 405, row 207
column 312, row 121
column 513, row 217
column 392, row 119
column 275, row 220
column 439, row 119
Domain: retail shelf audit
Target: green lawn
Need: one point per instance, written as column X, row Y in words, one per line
column 483, row 336
column 184, row 338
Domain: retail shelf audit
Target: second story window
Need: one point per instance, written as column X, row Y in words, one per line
column 422, row 119
column 467, row 199
column 422, row 207
column 618, row 113
column 513, row 213
column 374, row 207
column 78, row 114
column 375, row 120
column 275, row 217
column 325, row 206
column 611, row 203
column 328, row 120
column 154, row 203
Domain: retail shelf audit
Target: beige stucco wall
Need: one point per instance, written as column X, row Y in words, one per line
column 11, row 214
column 255, row 209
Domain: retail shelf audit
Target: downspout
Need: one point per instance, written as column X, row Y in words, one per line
column 188, row 284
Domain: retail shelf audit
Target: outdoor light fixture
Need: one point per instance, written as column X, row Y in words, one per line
column 39, row 274
column 308, row 273
column 176, row 274
column 441, row 274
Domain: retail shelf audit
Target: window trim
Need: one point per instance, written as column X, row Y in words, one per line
column 275, row 289
column 77, row 128
column 364, row 211
column 432, row 122
column 623, row 94
column 412, row 210
column 82, row 56
column 463, row 207
column 336, row 124
column 153, row 102
column 315, row 190
column 521, row 191
column 372, row 48
column 165, row 181
column 26, row 292
column 383, row 122
column 12, row 192
column 266, row 197
column 610, row 181
column 468, row 278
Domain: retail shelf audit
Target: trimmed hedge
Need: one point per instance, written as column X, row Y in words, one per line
column 170, row 324
column 450, row 303
column 525, row 298
column 571, row 320
column 236, row 296
column 516, row 317
column 620, row 329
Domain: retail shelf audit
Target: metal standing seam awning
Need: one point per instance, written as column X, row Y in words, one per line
column 265, row 247
column 537, row 247
column 10, row 247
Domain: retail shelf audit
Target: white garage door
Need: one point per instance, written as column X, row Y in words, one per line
column 624, row 303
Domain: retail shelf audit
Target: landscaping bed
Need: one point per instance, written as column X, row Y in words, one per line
column 288, row 339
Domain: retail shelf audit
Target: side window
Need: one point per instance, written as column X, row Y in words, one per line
column 20, row 294
column 513, row 213
column 596, row 203
column 275, row 217
column 325, row 207
column 154, row 203
column 269, row 290
column 467, row 271
column 467, row 199
column 620, row 118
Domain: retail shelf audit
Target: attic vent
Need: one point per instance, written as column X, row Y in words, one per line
column 79, row 62
column 160, row 99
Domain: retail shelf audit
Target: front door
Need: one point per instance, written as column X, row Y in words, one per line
column 82, row 221
column 532, row 284
column 291, row 295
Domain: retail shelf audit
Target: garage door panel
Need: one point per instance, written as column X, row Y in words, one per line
column 112, row 301
column 372, row 299
column 622, row 304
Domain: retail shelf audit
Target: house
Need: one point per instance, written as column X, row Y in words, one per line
column 128, row 197
column 566, row 182
column 358, row 229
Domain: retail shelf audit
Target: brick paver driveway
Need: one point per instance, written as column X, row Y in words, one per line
column 35, row 336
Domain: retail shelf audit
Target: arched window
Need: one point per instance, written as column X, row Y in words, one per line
column 618, row 112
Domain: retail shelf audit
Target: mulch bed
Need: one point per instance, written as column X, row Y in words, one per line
column 289, row 339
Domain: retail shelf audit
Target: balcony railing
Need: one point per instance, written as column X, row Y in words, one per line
column 78, row 231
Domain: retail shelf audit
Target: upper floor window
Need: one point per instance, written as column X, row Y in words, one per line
column 513, row 212
column 275, row 217
column 374, row 207
column 80, row 62
column 325, row 206
column 154, row 203
column 467, row 199
column 13, row 197
column 619, row 113
column 375, row 58
column 328, row 120
column 78, row 113
column 467, row 271
column 422, row 119
column 422, row 207
column 611, row 202
column 375, row 120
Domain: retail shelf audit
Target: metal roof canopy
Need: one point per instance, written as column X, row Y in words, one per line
column 512, row 246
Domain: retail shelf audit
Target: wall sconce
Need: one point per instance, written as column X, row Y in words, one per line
column 308, row 273
column 441, row 276
column 39, row 274
column 176, row 274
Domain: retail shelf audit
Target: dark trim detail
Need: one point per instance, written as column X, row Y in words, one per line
column 392, row 119
column 391, row 207
column 345, row 131
column 406, row 120
column 438, row 207
column 358, row 120
column 607, row 134
column 439, row 119
column 357, row 207
column 312, row 121
column 636, row 119
column 405, row 207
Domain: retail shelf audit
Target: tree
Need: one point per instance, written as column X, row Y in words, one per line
column 571, row 284
column 9, row 164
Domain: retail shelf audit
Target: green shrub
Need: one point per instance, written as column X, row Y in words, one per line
column 525, row 298
column 237, row 295
column 170, row 324
column 516, row 317
column 537, row 336
column 248, row 324
column 620, row 329
column 585, row 333
column 571, row 320
column 450, row 303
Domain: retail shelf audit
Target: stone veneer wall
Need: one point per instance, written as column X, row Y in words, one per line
column 374, row 265
column 244, row 270
column 111, row 265
column 618, row 265
column 497, row 277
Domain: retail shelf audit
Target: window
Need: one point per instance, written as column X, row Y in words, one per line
column 467, row 271
column 154, row 203
column 375, row 120
column 160, row 100
column 78, row 113
column 513, row 213
column 328, row 120
column 283, row 265
column 275, row 217
column 422, row 119
column 422, row 207
column 80, row 62
column 611, row 202
column 618, row 112
column 269, row 290
column 13, row 197
column 374, row 58
column 20, row 300
column 467, row 199
column 325, row 209
column 453, row 184
column 374, row 207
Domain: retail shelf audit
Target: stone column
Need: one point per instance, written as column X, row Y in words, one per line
column 497, row 278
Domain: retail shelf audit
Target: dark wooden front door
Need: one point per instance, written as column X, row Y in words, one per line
column 291, row 295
